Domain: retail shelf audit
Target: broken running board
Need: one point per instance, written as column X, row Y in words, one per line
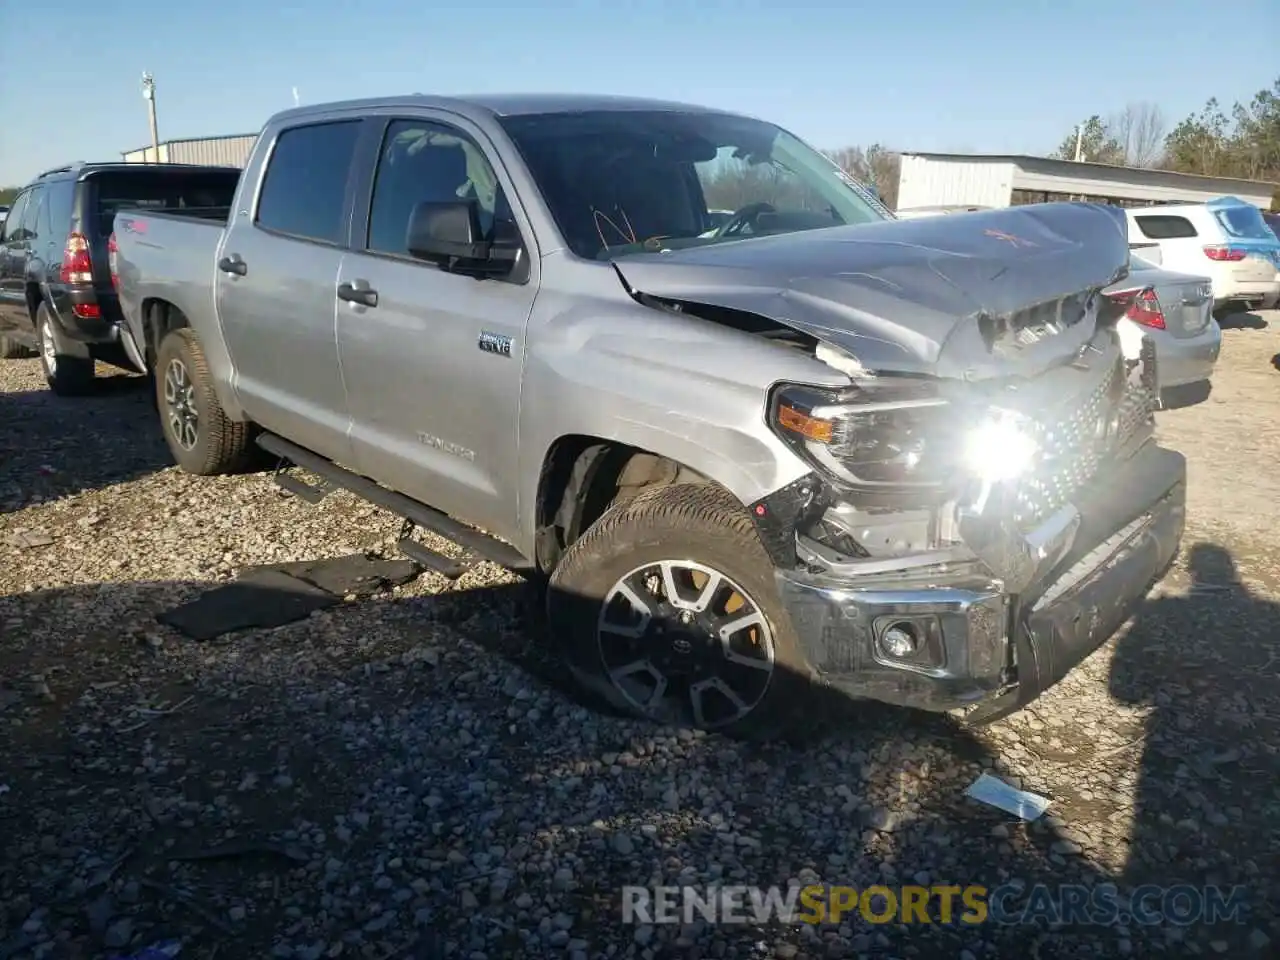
column 445, row 566
column 312, row 493
column 471, row 540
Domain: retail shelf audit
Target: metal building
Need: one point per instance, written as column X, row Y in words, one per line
column 947, row 179
column 230, row 151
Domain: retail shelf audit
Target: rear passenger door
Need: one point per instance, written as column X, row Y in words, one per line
column 275, row 286
column 434, row 368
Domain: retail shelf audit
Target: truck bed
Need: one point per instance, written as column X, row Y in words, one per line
column 167, row 255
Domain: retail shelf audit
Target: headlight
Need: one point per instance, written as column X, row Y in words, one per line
column 893, row 436
column 900, row 435
column 1000, row 447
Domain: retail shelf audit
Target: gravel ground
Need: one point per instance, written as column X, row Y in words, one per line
column 406, row 776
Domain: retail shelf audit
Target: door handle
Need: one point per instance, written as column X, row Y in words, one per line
column 361, row 295
column 233, row 264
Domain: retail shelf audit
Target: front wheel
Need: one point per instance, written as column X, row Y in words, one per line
column 667, row 607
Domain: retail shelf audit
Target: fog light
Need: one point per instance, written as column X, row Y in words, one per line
column 900, row 640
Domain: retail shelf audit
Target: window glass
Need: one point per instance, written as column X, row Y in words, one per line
column 1244, row 222
column 160, row 190
column 422, row 162
column 304, row 190
column 35, row 222
column 627, row 181
column 57, row 205
column 1165, row 227
column 13, row 223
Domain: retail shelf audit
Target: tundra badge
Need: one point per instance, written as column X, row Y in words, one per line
column 495, row 343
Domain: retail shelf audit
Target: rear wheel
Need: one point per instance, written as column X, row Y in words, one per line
column 68, row 374
column 667, row 608
column 202, row 439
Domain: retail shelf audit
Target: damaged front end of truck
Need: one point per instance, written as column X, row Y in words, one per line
column 986, row 504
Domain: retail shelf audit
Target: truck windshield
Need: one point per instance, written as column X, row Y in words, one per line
column 620, row 182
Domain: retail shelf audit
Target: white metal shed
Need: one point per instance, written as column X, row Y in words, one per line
column 231, row 151
column 936, row 179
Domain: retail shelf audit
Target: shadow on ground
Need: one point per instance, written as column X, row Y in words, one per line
column 1241, row 321
column 392, row 738
column 111, row 436
column 1208, row 666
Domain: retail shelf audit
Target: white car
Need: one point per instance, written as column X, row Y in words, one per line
column 1226, row 240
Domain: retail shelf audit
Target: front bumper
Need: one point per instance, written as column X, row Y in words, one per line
column 995, row 643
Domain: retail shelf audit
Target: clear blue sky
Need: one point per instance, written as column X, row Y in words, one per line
column 981, row 75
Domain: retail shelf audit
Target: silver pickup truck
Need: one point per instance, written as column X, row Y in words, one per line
column 803, row 444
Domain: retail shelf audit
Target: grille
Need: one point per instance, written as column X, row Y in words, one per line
column 1074, row 442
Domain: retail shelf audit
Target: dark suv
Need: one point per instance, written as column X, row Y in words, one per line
column 57, row 294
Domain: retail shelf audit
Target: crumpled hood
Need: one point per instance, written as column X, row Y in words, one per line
column 963, row 296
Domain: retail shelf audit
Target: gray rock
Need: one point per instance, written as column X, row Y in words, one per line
column 119, row 934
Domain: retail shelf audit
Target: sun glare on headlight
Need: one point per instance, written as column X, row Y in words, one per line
column 999, row 449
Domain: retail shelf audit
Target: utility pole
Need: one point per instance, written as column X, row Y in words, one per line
column 1079, row 142
column 149, row 94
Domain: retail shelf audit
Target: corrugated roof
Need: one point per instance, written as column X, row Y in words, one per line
column 1069, row 167
column 166, row 143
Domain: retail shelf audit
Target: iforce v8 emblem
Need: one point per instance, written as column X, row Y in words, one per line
column 495, row 343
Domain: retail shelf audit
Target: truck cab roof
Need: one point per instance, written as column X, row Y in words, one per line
column 499, row 104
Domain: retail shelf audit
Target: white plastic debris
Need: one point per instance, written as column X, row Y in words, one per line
column 996, row 793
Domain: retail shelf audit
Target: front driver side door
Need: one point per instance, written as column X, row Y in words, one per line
column 433, row 369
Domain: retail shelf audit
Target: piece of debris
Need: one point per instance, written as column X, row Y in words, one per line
column 996, row 793
column 243, row 848
column 26, row 539
column 357, row 573
column 269, row 599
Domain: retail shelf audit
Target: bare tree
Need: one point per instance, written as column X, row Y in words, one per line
column 876, row 164
column 1140, row 129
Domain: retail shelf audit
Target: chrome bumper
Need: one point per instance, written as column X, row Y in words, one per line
column 1053, row 597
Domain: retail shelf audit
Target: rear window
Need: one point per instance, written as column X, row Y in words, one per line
column 1273, row 221
column 58, row 207
column 1244, row 221
column 160, row 190
column 1157, row 227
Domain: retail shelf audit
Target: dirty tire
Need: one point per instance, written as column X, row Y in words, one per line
column 11, row 349
column 66, row 374
column 220, row 445
column 700, row 523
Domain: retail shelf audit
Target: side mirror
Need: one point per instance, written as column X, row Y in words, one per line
column 446, row 233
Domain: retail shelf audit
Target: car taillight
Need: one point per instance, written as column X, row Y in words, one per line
column 1143, row 307
column 112, row 257
column 77, row 266
column 1222, row 254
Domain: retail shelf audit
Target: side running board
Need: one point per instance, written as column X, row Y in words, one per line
column 415, row 514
